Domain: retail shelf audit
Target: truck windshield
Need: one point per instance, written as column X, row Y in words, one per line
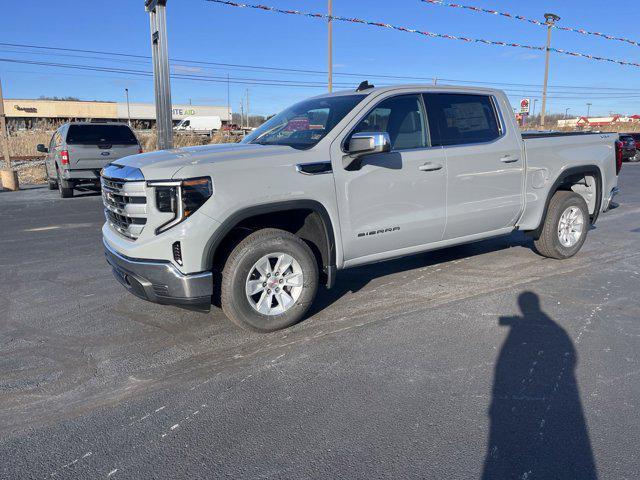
column 99, row 134
column 304, row 124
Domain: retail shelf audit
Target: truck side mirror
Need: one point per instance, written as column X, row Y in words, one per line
column 366, row 143
column 42, row 149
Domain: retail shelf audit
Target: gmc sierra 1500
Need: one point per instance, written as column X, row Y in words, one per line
column 341, row 180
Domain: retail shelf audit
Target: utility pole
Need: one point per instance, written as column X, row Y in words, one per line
column 126, row 91
column 248, row 125
column 330, row 46
column 241, row 114
column 551, row 19
column 8, row 175
column 589, row 109
column 229, row 119
column 161, row 72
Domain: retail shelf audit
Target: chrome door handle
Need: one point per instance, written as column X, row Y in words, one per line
column 509, row 159
column 430, row 167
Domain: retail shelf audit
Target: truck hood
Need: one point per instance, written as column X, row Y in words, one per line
column 165, row 164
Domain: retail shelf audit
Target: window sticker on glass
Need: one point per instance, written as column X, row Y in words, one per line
column 467, row 117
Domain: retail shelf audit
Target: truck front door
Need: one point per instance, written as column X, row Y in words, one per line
column 484, row 166
column 394, row 201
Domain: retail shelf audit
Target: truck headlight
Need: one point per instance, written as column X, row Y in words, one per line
column 180, row 197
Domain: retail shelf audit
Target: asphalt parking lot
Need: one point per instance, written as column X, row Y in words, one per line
column 481, row 361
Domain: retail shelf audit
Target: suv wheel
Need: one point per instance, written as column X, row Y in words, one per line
column 269, row 281
column 65, row 190
column 565, row 226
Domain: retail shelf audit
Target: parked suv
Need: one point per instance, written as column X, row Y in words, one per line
column 79, row 150
column 629, row 150
column 342, row 180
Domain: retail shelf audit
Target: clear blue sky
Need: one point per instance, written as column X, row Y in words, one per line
column 199, row 30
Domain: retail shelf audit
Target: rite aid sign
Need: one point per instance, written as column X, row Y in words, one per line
column 524, row 106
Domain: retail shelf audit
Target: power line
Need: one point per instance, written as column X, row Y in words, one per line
column 319, row 72
column 236, row 80
column 280, row 83
column 532, row 21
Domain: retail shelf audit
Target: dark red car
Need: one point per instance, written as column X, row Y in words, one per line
column 629, row 144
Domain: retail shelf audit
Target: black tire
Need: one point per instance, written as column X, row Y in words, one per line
column 66, row 191
column 549, row 244
column 235, row 303
column 52, row 184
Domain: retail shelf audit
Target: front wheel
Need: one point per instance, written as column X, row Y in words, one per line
column 565, row 226
column 269, row 281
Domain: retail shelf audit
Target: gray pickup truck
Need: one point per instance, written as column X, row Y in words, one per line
column 79, row 150
column 341, row 180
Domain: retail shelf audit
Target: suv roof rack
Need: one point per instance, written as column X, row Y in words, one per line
column 364, row 86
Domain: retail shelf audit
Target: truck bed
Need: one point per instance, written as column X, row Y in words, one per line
column 550, row 154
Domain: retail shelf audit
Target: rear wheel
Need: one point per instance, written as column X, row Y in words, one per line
column 64, row 187
column 269, row 281
column 565, row 226
column 53, row 185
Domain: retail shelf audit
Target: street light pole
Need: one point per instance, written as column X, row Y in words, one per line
column 161, row 72
column 126, row 91
column 8, row 175
column 551, row 19
column 566, row 111
column 3, row 132
column 533, row 112
column 589, row 109
column 330, row 46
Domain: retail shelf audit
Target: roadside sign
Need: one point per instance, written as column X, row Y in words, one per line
column 524, row 106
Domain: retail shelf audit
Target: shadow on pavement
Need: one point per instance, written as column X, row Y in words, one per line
column 537, row 425
column 355, row 279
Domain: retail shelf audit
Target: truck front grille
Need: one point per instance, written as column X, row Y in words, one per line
column 125, row 204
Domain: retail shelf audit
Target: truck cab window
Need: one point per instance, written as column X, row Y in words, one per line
column 402, row 118
column 459, row 119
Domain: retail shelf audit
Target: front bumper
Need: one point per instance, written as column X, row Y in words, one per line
column 160, row 281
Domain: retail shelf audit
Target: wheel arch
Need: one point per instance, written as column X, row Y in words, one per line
column 316, row 228
column 565, row 179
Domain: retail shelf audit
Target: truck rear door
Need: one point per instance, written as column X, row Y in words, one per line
column 92, row 146
column 485, row 170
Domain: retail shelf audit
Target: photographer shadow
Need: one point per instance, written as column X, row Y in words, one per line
column 537, row 425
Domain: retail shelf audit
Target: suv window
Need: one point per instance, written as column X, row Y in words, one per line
column 56, row 141
column 459, row 119
column 402, row 118
column 100, row 134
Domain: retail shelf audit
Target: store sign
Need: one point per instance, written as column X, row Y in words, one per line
column 26, row 109
column 524, row 106
column 183, row 111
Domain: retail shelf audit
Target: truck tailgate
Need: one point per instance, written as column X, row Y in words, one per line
column 95, row 157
